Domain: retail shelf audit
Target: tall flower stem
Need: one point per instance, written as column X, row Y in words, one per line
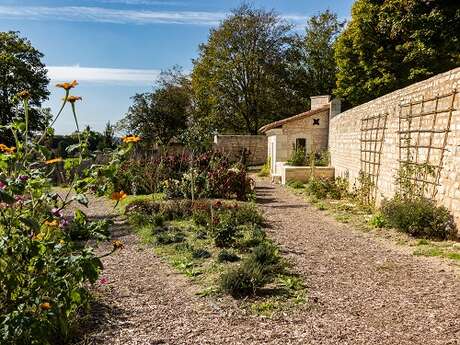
column 26, row 115
column 64, row 101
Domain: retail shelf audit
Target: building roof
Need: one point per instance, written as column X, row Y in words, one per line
column 279, row 123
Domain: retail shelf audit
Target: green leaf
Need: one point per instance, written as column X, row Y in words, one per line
column 82, row 199
column 5, row 197
column 30, row 222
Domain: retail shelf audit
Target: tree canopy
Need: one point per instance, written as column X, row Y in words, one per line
column 240, row 77
column 312, row 62
column 161, row 115
column 391, row 44
column 21, row 69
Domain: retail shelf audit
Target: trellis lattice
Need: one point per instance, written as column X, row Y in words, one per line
column 372, row 136
column 424, row 127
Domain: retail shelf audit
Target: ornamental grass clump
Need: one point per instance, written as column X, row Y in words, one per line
column 46, row 262
column 257, row 270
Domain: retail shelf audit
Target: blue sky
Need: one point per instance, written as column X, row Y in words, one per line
column 116, row 48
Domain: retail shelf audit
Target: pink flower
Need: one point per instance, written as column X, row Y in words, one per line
column 103, row 281
column 2, row 185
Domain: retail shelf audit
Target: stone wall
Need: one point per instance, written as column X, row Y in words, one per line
column 303, row 174
column 315, row 135
column 233, row 145
column 436, row 142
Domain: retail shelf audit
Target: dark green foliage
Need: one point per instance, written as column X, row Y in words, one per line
column 322, row 188
column 312, row 64
column 227, row 256
column 160, row 115
column 81, row 229
column 295, row 184
column 251, row 236
column 21, row 69
column 240, row 78
column 169, row 237
column 419, row 217
column 247, row 214
column 257, row 270
column 201, row 217
column 298, row 157
column 388, row 45
column 225, row 232
column 200, row 254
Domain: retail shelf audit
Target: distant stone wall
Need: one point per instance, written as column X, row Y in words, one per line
column 234, row 145
column 303, row 174
column 419, row 124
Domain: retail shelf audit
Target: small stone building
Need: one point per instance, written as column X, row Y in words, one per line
column 308, row 130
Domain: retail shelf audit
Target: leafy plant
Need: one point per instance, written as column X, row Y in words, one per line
column 298, row 157
column 419, row 217
column 227, row 256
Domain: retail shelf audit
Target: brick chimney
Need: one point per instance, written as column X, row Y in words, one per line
column 319, row 101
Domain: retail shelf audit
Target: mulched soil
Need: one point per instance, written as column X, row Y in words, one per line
column 362, row 290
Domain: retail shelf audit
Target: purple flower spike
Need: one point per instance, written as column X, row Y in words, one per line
column 23, row 178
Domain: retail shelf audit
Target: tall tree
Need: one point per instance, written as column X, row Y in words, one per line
column 161, row 115
column 312, row 62
column 21, row 69
column 391, row 44
column 109, row 136
column 240, row 77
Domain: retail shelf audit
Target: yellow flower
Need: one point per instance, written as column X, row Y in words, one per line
column 54, row 160
column 73, row 99
column 38, row 237
column 45, row 306
column 61, row 242
column 67, row 86
column 117, row 244
column 24, row 94
column 131, row 139
column 53, row 223
column 119, row 195
column 6, row 149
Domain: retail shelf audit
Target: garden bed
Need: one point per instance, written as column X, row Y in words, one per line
column 222, row 246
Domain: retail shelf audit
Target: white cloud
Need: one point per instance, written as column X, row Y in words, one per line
column 103, row 75
column 107, row 15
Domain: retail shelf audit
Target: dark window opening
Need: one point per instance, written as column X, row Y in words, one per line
column 301, row 143
column 315, row 122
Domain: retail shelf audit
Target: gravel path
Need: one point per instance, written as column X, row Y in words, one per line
column 361, row 290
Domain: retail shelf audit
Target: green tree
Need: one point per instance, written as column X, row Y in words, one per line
column 240, row 77
column 391, row 44
column 312, row 62
column 161, row 115
column 21, row 69
column 109, row 136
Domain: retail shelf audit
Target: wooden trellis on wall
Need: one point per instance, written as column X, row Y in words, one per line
column 424, row 126
column 372, row 136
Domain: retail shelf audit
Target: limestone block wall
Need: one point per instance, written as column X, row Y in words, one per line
column 233, row 145
column 303, row 174
column 436, row 129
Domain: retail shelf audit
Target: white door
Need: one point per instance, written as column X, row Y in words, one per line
column 273, row 156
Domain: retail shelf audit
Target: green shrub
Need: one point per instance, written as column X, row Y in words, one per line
column 247, row 213
column 227, row 256
column 251, row 236
column 265, row 170
column 377, row 220
column 419, row 217
column 200, row 253
column 169, row 237
column 318, row 188
column 298, row 157
column 225, row 232
column 295, row 184
column 201, row 217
